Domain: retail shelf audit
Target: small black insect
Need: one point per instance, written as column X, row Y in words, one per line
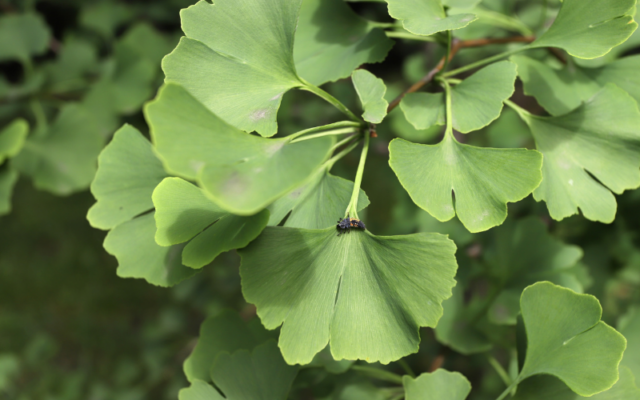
column 345, row 225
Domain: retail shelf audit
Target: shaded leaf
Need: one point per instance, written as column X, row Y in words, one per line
column 128, row 172
column 22, row 36
column 629, row 326
column 12, row 139
column 371, row 91
column 599, row 139
column 567, row 339
column 426, row 17
column 482, row 179
column 237, row 59
column 8, row 179
column 345, row 290
column 104, row 17
column 199, row 390
column 439, row 385
column 331, row 41
column 184, row 213
column 242, row 173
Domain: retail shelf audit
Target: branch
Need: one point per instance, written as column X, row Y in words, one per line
column 457, row 45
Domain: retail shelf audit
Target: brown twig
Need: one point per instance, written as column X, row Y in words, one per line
column 436, row 363
column 455, row 47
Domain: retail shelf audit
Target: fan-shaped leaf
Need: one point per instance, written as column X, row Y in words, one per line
column 22, row 36
column 12, row 139
column 371, row 91
column 600, row 138
column 475, row 102
column 237, row 59
column 439, row 385
column 426, row 17
column 184, row 213
column 331, row 41
column 357, row 291
column 629, row 326
column 566, row 338
column 589, row 28
column 483, row 180
column 242, row 173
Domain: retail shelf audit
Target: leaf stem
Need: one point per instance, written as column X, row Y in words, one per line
column 341, row 124
column 508, row 390
column 333, row 132
column 406, row 368
column 352, row 208
column 488, row 60
column 448, row 56
column 499, row 369
column 39, row 116
column 524, row 114
column 409, row 36
column 378, row 374
column 329, row 163
column 448, row 132
column 331, row 100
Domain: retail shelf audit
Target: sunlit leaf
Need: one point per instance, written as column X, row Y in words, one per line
column 184, row 213
column 22, row 36
column 566, row 338
column 237, row 59
column 226, row 332
column 128, row 171
column 12, row 139
column 483, row 180
column 260, row 375
column 317, row 204
column 346, row 289
column 8, row 179
column 426, row 17
column 438, row 385
column 589, row 28
column 475, row 102
column 242, row 173
column 331, row 41
column 325, row 359
column 598, row 140
column 371, row 91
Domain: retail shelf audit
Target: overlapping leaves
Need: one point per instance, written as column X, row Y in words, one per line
column 426, row 17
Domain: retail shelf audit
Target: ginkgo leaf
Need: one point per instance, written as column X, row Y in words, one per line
column 237, row 59
column 629, row 326
column 63, row 159
column 567, row 339
column 242, row 173
column 104, row 17
column 22, row 36
column 438, row 385
column 560, row 91
column 128, row 172
column 548, row 387
column 475, row 102
column 8, row 179
column 522, row 253
column 483, row 180
column 184, row 213
column 139, row 256
column 426, row 17
column 12, row 139
column 371, row 91
column 589, row 28
column 317, row 204
column 599, row 139
column 357, row 291
column 226, row 332
column 332, row 40
column 260, row 375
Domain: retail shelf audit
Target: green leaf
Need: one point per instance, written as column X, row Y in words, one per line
column 426, row 17
column 483, row 180
column 139, row 256
column 589, row 28
column 345, row 290
column 226, row 332
column 12, row 139
column 104, row 17
column 325, row 359
column 128, row 172
column 629, row 326
column 317, row 204
column 77, row 58
column 184, row 213
column 8, row 179
column 237, row 59
column 63, row 159
column 331, row 41
column 260, row 375
column 475, row 102
column 22, row 36
column 523, row 253
column 567, row 339
column 371, row 91
column 439, row 385
column 548, row 387
column 600, row 138
column 242, row 173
